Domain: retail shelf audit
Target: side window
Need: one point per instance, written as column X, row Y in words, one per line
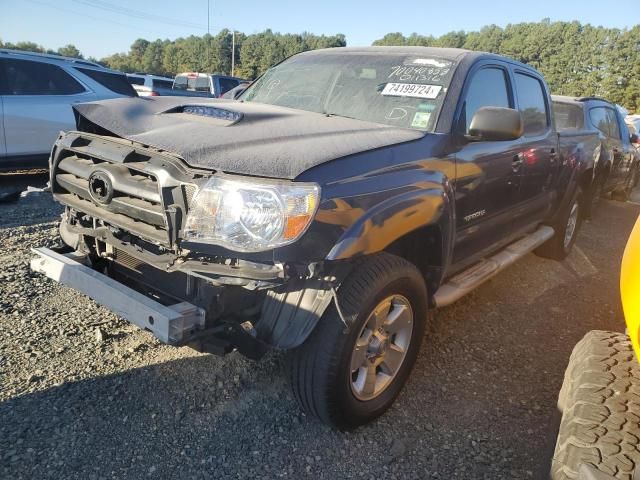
column 162, row 83
column 599, row 119
column 135, row 80
column 567, row 116
column 614, row 127
column 532, row 104
column 488, row 88
column 116, row 82
column 24, row 77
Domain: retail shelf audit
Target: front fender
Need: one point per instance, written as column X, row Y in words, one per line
column 394, row 218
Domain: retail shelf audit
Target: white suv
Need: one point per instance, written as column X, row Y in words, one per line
column 37, row 92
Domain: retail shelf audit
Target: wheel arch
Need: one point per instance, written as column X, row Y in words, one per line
column 417, row 226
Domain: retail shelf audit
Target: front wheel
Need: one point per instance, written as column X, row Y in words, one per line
column 348, row 375
column 566, row 229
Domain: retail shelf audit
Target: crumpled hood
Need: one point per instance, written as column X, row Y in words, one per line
column 256, row 139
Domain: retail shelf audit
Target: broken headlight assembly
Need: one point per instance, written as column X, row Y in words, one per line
column 250, row 215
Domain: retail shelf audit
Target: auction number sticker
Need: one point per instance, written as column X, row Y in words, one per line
column 411, row 90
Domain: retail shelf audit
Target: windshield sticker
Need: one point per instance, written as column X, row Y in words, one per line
column 416, row 90
column 430, row 61
column 421, row 120
column 420, row 73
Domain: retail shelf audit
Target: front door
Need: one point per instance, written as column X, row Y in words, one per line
column 488, row 174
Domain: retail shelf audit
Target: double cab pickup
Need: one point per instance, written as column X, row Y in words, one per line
column 346, row 193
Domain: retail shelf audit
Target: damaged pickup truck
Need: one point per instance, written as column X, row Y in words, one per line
column 345, row 194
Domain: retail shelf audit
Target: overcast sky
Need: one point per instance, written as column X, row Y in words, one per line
column 101, row 27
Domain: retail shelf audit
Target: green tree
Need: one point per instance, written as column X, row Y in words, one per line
column 69, row 51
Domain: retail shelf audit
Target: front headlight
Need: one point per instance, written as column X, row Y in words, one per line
column 250, row 216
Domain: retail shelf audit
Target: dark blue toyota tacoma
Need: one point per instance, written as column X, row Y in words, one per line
column 344, row 195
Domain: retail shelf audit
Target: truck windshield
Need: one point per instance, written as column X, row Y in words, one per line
column 392, row 89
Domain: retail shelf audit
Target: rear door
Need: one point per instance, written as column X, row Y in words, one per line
column 487, row 178
column 621, row 148
column 538, row 161
column 37, row 106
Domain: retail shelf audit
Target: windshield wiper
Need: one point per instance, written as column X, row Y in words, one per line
column 338, row 115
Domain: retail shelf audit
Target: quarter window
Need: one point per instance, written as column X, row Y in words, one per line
column 488, row 88
column 532, row 104
column 25, row 77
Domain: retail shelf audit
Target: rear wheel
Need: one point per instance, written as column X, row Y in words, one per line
column 348, row 376
column 593, row 197
column 632, row 181
column 566, row 231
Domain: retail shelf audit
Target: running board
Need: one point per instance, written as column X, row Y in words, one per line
column 470, row 279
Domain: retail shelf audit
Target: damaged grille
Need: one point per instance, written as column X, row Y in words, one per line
column 122, row 185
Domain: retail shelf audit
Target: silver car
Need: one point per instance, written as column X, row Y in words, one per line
column 37, row 92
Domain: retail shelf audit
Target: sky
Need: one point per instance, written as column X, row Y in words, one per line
column 102, row 27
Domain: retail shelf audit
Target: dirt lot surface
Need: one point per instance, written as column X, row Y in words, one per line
column 85, row 395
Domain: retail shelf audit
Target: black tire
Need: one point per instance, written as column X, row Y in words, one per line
column 320, row 369
column 593, row 197
column 556, row 248
column 624, row 194
column 600, row 405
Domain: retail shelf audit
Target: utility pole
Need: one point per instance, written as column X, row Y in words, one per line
column 233, row 51
column 208, row 33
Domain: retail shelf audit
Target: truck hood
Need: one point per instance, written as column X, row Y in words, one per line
column 238, row 137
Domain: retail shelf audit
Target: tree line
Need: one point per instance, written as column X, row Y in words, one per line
column 576, row 59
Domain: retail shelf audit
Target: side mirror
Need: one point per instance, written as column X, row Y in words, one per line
column 634, row 138
column 495, row 124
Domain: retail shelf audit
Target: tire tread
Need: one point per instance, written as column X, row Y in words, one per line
column 600, row 405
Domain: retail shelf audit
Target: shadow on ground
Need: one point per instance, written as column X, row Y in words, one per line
column 480, row 404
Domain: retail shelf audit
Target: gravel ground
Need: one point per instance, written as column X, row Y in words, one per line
column 85, row 395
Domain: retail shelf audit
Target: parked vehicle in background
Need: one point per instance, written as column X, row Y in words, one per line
column 150, row 85
column 633, row 123
column 204, row 84
column 613, row 160
column 324, row 216
column 633, row 120
column 36, row 94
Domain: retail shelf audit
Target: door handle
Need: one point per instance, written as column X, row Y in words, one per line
column 516, row 162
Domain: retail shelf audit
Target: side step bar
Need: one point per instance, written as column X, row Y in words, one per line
column 467, row 281
column 174, row 324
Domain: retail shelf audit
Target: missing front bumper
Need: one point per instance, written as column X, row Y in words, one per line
column 175, row 324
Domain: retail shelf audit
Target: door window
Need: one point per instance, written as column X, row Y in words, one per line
column 614, row 127
column 25, row 77
column 531, row 100
column 599, row 119
column 488, row 88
